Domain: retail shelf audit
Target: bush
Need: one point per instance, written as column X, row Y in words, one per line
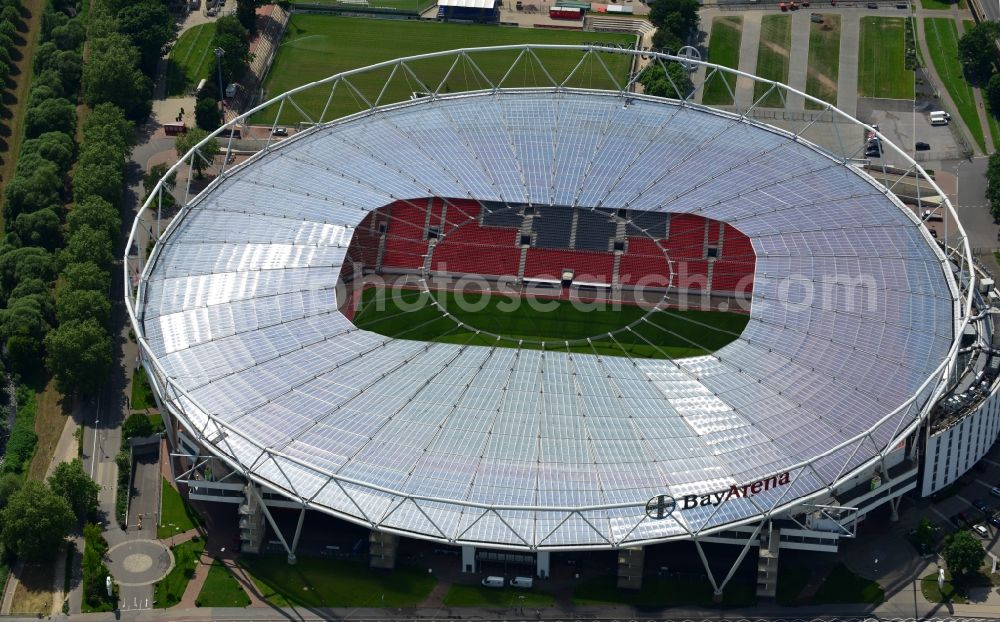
column 124, row 462
column 22, row 441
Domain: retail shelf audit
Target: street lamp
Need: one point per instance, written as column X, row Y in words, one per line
column 219, row 53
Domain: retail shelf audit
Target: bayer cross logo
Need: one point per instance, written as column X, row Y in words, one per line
column 660, row 507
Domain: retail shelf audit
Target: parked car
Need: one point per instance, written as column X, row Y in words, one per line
column 963, row 519
column 873, row 5
column 493, row 581
column 981, row 530
column 995, row 491
column 816, row 18
column 922, row 146
column 980, row 505
column 995, row 521
column 280, row 131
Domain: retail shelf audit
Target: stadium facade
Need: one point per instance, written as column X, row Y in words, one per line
column 864, row 373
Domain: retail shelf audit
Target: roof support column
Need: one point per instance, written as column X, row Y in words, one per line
column 295, row 539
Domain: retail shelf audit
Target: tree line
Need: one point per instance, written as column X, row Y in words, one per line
column 62, row 223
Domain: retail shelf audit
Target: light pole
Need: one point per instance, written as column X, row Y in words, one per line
column 219, row 53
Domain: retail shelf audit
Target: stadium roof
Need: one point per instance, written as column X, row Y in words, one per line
column 853, row 311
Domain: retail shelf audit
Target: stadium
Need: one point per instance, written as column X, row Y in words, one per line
column 549, row 316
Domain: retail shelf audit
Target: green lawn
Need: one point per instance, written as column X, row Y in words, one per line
column 142, row 394
column 942, row 40
column 190, row 59
column 772, row 57
column 169, row 591
column 221, row 589
column 336, row 583
column 824, row 60
column 553, row 322
column 929, row 588
column 479, row 596
column 661, row 592
column 941, row 5
column 177, row 516
column 723, row 49
column 844, row 587
column 318, row 46
column 882, row 68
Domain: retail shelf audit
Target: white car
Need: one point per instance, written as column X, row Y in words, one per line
column 981, row 530
column 995, row 491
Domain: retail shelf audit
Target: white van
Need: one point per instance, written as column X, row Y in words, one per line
column 939, row 121
column 493, row 582
column 525, row 582
column 941, row 113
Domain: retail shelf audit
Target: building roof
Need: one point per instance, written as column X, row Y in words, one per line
column 852, row 314
column 469, row 4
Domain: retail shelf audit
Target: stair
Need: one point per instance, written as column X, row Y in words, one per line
column 767, row 563
column 526, row 226
column 382, row 549
column 251, row 522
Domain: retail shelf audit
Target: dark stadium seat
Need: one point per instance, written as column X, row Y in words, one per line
column 594, row 230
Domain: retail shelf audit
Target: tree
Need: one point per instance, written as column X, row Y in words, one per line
column 112, row 75
column 55, row 147
column 206, row 114
column 96, row 213
column 85, row 275
column 79, row 356
column 231, row 36
column 992, row 93
column 88, row 245
column 208, row 151
column 675, row 21
column 150, row 27
column 976, row 51
column 41, row 228
column 101, row 180
column 69, row 36
column 993, row 185
column 28, row 262
column 136, row 426
column 35, row 522
column 108, row 123
column 32, row 192
column 52, row 115
column 246, row 13
column 9, row 484
column 72, row 483
column 83, row 304
column 963, row 553
column 654, row 81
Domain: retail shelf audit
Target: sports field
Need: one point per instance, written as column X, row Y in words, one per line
column 318, row 46
column 190, row 59
column 882, row 68
column 723, row 49
column 412, row 314
column 942, row 40
column 772, row 57
column 824, row 60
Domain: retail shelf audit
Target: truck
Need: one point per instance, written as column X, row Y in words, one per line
column 566, row 12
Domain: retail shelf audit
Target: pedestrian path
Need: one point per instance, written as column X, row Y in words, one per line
column 748, row 58
column 798, row 60
column 847, row 81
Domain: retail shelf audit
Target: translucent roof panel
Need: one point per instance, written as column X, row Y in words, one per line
column 851, row 314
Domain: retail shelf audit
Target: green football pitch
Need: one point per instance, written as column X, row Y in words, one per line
column 545, row 324
column 319, row 46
